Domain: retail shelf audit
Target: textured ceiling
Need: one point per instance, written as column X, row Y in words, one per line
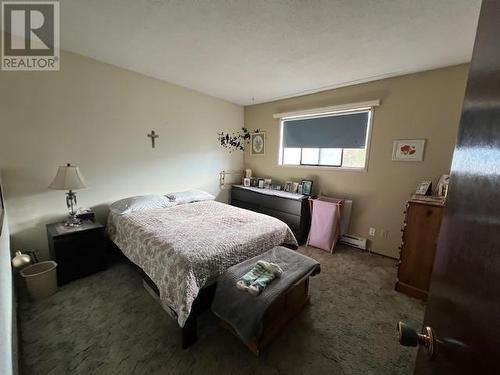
column 257, row 51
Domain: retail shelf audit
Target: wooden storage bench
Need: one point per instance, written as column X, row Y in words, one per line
column 256, row 320
column 281, row 311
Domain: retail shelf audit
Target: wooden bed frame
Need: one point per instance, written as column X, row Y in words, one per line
column 189, row 333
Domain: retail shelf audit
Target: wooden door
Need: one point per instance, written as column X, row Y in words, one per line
column 464, row 301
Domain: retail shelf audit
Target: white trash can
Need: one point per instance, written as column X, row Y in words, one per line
column 41, row 279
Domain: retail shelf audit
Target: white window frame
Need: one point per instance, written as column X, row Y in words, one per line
column 353, row 108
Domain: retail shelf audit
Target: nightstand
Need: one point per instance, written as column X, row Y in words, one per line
column 78, row 251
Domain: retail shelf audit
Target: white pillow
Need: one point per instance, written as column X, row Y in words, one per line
column 140, row 203
column 189, row 196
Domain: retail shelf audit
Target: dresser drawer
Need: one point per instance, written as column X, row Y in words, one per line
column 295, row 213
column 293, row 221
column 268, row 201
column 245, row 205
column 79, row 247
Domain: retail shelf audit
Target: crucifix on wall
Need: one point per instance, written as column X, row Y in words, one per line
column 153, row 136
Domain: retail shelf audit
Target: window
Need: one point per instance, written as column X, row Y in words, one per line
column 326, row 138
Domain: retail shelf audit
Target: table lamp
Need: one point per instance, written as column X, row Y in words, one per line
column 69, row 178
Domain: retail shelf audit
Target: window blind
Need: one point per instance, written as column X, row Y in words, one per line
column 340, row 131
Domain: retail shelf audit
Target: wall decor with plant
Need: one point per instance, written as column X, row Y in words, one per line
column 235, row 141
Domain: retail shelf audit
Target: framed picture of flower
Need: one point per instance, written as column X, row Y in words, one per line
column 258, row 143
column 408, row 150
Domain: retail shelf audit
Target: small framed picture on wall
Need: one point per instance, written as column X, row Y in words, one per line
column 258, row 143
column 408, row 150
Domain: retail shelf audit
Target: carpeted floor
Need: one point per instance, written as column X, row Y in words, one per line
column 108, row 324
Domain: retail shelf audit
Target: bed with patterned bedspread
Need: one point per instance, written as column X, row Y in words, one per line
column 185, row 248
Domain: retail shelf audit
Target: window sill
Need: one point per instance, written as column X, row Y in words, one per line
column 319, row 167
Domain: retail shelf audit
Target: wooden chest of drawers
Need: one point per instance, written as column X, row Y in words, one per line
column 418, row 247
column 294, row 212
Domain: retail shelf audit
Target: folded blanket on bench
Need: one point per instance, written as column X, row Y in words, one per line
column 259, row 277
column 242, row 310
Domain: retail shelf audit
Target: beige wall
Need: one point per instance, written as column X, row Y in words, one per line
column 423, row 105
column 97, row 116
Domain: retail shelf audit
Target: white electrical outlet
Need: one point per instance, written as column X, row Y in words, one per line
column 371, row 232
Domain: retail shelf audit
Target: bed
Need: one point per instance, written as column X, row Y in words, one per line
column 182, row 249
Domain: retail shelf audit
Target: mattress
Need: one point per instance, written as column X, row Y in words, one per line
column 186, row 247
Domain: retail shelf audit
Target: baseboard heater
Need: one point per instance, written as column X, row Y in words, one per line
column 354, row 241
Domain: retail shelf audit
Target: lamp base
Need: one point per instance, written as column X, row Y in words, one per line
column 72, row 221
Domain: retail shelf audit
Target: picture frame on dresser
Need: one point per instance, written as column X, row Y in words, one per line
column 307, row 187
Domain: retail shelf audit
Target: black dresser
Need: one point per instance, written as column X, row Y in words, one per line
column 78, row 251
column 294, row 212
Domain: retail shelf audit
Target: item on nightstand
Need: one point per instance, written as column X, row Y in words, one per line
column 288, row 186
column 85, row 214
column 267, row 183
column 295, row 186
column 246, row 182
column 254, row 182
column 299, row 189
column 261, row 183
column 248, row 173
column 69, row 178
column 424, row 188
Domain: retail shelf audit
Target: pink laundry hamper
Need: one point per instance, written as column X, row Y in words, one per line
column 325, row 223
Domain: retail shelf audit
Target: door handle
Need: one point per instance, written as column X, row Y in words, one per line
column 409, row 337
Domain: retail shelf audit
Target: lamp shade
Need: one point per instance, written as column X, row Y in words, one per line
column 68, row 177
